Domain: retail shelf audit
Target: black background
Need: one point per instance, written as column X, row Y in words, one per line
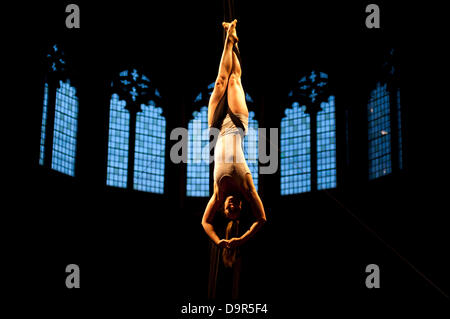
column 145, row 254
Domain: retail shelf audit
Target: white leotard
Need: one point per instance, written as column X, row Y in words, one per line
column 229, row 157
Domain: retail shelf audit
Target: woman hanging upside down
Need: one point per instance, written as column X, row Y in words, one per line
column 232, row 177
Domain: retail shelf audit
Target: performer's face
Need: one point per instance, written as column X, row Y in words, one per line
column 232, row 206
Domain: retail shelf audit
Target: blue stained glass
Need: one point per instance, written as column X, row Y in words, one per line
column 65, row 129
column 43, row 125
column 379, row 132
column 198, row 155
column 149, row 155
column 326, row 145
column 295, row 151
column 119, row 125
column 198, row 98
column 251, row 147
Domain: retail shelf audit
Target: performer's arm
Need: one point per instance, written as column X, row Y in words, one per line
column 252, row 230
column 208, row 216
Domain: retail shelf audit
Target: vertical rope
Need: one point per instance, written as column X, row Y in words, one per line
column 213, row 270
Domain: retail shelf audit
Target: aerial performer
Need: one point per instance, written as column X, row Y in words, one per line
column 233, row 182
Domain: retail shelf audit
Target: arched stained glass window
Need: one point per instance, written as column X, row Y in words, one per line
column 59, row 123
column 379, row 124
column 295, row 151
column 198, row 155
column 384, row 117
column 136, row 141
column 326, row 145
column 308, row 137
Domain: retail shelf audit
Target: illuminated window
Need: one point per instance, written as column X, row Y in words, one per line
column 295, row 151
column 308, row 137
column 65, row 129
column 251, row 146
column 59, row 123
column 326, row 145
column 119, row 125
column 379, row 132
column 139, row 152
column 43, row 125
column 198, row 155
column 149, row 149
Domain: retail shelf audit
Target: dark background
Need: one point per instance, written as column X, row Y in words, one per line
column 141, row 252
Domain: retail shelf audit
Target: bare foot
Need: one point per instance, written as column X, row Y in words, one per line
column 230, row 27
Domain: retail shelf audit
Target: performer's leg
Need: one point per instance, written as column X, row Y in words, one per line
column 226, row 63
column 236, row 68
column 236, row 95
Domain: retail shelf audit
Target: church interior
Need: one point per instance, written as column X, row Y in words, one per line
column 348, row 189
